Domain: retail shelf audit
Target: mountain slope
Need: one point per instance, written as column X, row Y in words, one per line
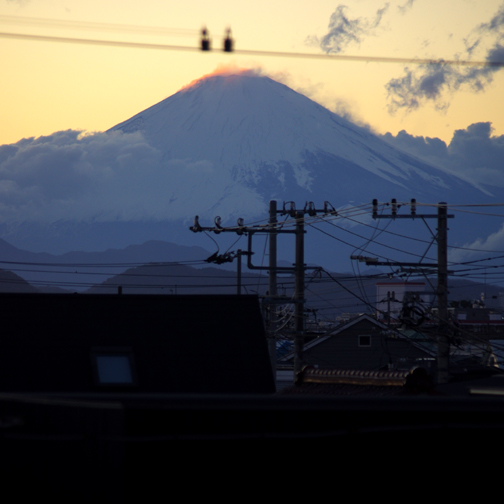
column 280, row 144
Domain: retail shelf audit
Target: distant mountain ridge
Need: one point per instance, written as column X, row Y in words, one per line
column 157, row 277
column 49, row 269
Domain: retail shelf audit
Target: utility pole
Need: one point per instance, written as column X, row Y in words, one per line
column 443, row 353
column 443, row 344
column 272, row 283
column 272, row 229
column 388, row 306
column 238, row 271
column 299, row 295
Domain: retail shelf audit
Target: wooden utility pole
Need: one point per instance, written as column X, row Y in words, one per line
column 441, row 266
column 238, row 271
column 443, row 353
column 272, row 283
column 299, row 294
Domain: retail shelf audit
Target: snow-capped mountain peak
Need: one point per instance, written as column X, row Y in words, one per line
column 263, row 133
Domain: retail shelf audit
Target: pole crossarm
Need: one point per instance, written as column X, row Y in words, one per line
column 299, row 268
column 372, row 261
column 394, row 207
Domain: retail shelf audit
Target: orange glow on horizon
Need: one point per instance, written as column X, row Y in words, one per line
column 223, row 69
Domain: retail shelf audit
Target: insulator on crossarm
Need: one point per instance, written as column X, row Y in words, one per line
column 413, row 206
column 292, row 208
column 205, row 39
column 196, row 225
column 217, row 222
column 329, row 209
column 228, row 41
column 375, row 208
column 240, row 223
column 394, row 207
column 310, row 208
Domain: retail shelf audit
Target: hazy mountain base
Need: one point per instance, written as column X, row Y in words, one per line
column 329, row 298
column 331, row 295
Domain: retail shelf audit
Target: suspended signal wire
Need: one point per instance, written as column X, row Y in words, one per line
column 449, row 321
column 384, row 230
column 426, row 241
column 253, row 52
column 82, row 25
column 478, row 205
column 105, row 265
column 375, row 242
column 233, row 244
column 470, row 337
column 148, row 286
column 260, row 276
column 455, row 205
column 479, row 268
column 486, row 214
column 325, row 300
column 135, row 274
column 96, row 42
column 362, row 249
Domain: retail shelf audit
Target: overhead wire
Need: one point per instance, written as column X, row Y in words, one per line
column 252, row 52
column 454, row 247
column 483, row 344
column 362, row 249
column 94, row 26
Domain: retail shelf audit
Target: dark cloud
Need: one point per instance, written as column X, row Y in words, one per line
column 111, row 176
column 472, row 153
column 404, row 8
column 343, row 30
column 433, row 83
column 495, row 24
column 416, row 86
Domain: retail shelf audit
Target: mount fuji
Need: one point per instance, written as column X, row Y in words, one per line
column 257, row 139
column 225, row 145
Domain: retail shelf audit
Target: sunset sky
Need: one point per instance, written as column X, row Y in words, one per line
column 53, row 86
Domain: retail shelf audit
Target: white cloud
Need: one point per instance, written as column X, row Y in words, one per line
column 491, row 244
column 111, row 176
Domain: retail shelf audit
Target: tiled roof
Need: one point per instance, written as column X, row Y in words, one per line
column 354, row 382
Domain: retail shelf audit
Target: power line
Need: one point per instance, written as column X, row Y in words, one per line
column 251, row 52
column 106, row 265
column 83, row 25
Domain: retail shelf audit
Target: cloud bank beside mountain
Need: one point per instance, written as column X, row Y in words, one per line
column 472, row 153
column 104, row 177
column 118, row 176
